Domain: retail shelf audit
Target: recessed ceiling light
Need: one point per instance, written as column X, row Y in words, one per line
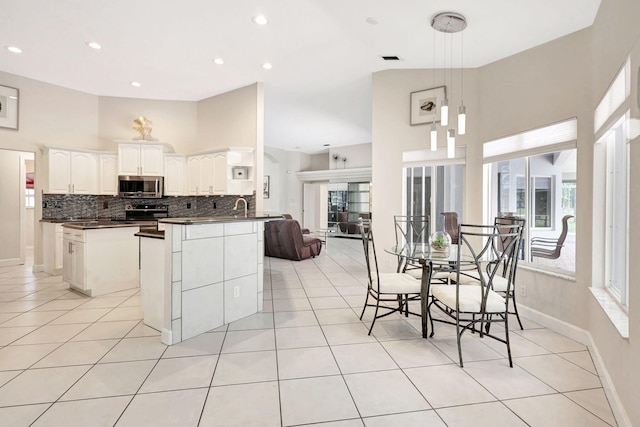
column 94, row 45
column 219, row 61
column 14, row 49
column 267, row 66
column 327, row 145
column 136, row 84
column 260, row 19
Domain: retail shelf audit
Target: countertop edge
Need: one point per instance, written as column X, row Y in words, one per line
column 206, row 220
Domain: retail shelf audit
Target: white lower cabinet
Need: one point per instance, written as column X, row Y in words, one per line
column 100, row 261
column 52, row 242
column 152, row 281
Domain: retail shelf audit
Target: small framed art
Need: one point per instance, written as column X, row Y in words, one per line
column 9, row 100
column 425, row 104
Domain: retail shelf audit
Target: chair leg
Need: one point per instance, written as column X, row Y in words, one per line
column 366, row 301
column 506, row 331
column 375, row 316
column 458, row 336
column 515, row 309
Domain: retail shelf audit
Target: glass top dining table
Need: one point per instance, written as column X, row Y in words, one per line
column 431, row 261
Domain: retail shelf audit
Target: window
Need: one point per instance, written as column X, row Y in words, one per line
column 614, row 131
column 532, row 175
column 433, row 183
column 616, row 211
column 30, row 195
column 431, row 190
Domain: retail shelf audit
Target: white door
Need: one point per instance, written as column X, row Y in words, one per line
column 314, row 215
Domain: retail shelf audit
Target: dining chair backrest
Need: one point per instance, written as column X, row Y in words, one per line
column 370, row 255
column 411, row 229
column 492, row 237
column 508, row 221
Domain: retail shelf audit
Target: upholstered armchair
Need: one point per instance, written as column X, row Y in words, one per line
column 284, row 239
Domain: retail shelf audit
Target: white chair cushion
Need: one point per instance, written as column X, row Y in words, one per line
column 396, row 283
column 472, row 278
column 417, row 273
column 470, row 298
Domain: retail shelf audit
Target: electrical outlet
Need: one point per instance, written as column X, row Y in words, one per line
column 523, row 291
column 236, row 291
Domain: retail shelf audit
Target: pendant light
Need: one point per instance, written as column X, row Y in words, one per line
column 462, row 111
column 449, row 23
column 434, row 129
column 444, row 108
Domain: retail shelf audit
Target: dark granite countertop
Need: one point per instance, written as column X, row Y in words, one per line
column 210, row 219
column 96, row 224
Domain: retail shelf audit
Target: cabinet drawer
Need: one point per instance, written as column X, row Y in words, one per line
column 74, row 235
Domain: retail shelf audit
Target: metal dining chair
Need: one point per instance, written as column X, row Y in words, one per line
column 506, row 267
column 472, row 307
column 383, row 288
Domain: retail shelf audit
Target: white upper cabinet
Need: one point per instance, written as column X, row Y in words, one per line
column 108, row 178
column 221, row 172
column 174, row 174
column 72, row 172
column 200, row 174
column 141, row 158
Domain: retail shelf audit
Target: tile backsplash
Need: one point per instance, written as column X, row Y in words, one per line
column 66, row 206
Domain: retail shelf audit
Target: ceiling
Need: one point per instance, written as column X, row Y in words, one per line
column 322, row 51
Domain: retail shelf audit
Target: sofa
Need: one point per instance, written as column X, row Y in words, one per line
column 284, row 239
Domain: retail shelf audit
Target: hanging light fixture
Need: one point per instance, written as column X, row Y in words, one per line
column 449, row 23
column 434, row 129
column 462, row 111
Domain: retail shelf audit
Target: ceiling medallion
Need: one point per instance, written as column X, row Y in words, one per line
column 449, row 22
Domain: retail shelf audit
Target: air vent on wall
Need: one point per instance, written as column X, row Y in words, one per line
column 390, row 58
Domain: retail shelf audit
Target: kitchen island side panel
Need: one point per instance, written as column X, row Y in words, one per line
column 213, row 276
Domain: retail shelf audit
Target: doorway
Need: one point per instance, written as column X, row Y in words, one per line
column 17, row 216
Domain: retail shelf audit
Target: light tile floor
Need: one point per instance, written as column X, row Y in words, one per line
column 68, row 360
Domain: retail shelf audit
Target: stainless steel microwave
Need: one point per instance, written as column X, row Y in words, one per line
column 140, row 187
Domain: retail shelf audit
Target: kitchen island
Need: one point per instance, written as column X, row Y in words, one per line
column 212, row 273
column 100, row 256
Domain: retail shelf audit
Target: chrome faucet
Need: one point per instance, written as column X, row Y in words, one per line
column 245, row 206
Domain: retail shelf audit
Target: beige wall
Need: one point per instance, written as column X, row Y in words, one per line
column 562, row 79
column 229, row 119
column 174, row 122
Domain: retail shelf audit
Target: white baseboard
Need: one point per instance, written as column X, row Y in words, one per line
column 583, row 337
column 38, row 268
column 166, row 337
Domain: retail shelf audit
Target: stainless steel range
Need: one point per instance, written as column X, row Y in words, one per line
column 147, row 214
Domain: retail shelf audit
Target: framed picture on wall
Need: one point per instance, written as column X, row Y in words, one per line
column 265, row 187
column 425, row 104
column 9, row 107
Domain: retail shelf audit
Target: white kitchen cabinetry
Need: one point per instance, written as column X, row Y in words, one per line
column 108, row 170
column 72, row 172
column 221, row 172
column 141, row 158
column 73, row 259
column 98, row 261
column 201, row 174
column 52, row 242
column 235, row 174
column 174, row 174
